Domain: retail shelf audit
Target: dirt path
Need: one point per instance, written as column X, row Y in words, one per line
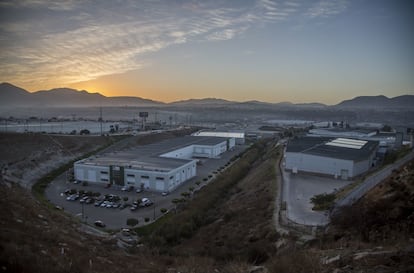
column 278, row 200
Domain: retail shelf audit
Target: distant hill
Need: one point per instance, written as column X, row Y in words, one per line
column 10, row 94
column 14, row 96
column 378, row 102
column 202, row 102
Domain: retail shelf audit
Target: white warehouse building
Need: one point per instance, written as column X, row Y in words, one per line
column 161, row 166
column 338, row 157
column 238, row 136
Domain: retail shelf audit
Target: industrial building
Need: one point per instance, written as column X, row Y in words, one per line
column 338, row 157
column 161, row 166
column 238, row 136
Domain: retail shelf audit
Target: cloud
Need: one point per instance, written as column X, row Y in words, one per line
column 58, row 5
column 327, row 8
column 225, row 34
column 79, row 41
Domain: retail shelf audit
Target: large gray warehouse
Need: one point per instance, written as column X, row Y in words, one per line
column 339, row 157
column 161, row 166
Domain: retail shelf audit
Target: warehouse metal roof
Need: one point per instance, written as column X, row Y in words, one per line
column 147, row 157
column 219, row 134
column 341, row 148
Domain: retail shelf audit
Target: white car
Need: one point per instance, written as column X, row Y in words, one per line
column 145, row 202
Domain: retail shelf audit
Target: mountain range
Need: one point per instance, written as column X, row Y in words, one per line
column 13, row 96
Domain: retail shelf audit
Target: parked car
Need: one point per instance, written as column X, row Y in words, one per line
column 98, row 203
column 139, row 190
column 99, row 223
column 133, row 208
column 145, row 202
column 72, row 197
column 127, row 188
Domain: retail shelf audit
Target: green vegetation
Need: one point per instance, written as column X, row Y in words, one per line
column 393, row 156
column 132, row 222
column 40, row 186
column 185, row 194
column 323, row 201
column 170, row 230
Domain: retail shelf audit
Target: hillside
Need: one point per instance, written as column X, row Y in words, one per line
column 227, row 227
column 13, row 96
column 377, row 233
column 378, row 102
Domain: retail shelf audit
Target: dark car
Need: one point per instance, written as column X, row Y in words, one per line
column 99, row 223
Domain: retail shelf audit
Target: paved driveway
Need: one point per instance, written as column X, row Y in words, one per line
column 297, row 192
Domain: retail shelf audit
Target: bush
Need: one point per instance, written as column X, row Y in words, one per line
column 132, row 222
column 198, row 183
column 185, row 194
column 163, row 210
column 323, row 201
column 125, row 198
column 146, row 219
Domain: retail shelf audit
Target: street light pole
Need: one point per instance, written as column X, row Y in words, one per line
column 82, row 212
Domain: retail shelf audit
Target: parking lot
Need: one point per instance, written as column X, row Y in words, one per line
column 298, row 189
column 116, row 217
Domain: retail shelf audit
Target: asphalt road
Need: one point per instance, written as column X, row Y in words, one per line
column 115, row 218
column 371, row 182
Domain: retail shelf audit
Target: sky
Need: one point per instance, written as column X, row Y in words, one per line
column 240, row 50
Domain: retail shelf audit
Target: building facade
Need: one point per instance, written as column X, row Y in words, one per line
column 338, row 157
column 159, row 167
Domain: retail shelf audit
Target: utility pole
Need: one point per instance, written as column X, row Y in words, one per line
column 100, row 118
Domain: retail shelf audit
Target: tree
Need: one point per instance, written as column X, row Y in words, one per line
column 323, row 201
column 386, row 128
column 132, row 222
column 84, row 132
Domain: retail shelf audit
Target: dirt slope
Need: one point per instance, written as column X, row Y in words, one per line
column 26, row 157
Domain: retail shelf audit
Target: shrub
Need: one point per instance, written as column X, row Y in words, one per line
column 146, row 219
column 132, row 222
column 185, row 194
column 125, row 198
column 163, row 210
column 323, row 201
